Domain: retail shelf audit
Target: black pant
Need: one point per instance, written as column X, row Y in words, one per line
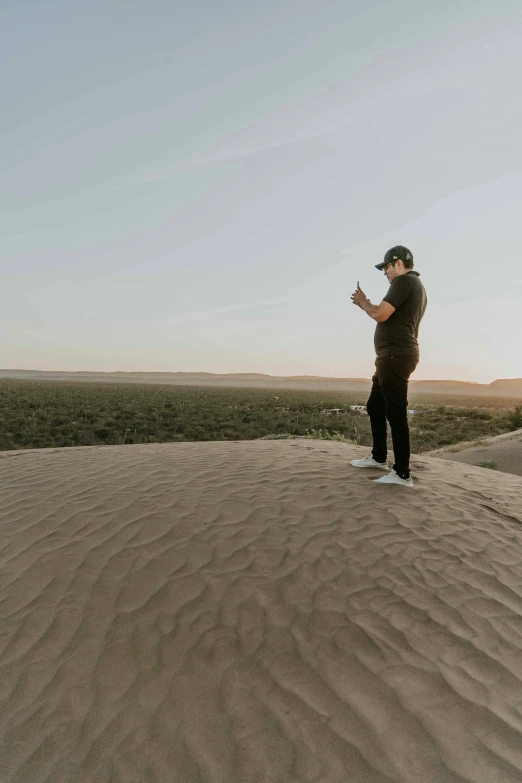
column 389, row 400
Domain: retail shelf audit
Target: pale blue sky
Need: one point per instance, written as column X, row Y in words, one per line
column 198, row 186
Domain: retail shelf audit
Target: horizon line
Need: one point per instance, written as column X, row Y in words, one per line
column 239, row 374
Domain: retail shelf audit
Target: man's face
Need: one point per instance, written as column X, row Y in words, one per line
column 392, row 271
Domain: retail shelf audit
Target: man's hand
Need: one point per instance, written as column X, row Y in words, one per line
column 358, row 296
column 379, row 313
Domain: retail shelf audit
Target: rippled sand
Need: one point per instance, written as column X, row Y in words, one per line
column 257, row 612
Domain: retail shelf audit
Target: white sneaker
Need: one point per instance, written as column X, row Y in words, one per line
column 393, row 478
column 369, row 462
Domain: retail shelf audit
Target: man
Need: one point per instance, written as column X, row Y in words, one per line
column 398, row 317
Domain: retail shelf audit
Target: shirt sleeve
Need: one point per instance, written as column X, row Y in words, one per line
column 399, row 291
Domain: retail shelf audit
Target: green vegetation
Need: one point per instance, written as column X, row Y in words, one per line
column 42, row 414
column 515, row 418
column 490, row 465
column 315, row 434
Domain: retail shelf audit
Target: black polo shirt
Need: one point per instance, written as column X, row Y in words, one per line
column 398, row 335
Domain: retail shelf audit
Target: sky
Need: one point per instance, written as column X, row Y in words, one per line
column 199, row 186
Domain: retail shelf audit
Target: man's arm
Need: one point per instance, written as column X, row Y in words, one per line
column 380, row 312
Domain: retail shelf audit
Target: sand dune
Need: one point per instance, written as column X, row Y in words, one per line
column 505, row 451
column 257, row 612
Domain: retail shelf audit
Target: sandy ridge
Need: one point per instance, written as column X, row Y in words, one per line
column 505, row 451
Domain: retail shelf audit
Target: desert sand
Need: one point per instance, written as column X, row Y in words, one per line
column 257, row 612
column 505, row 451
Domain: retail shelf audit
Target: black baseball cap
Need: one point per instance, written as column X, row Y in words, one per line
column 399, row 252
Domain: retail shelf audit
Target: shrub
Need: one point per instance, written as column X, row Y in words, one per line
column 326, row 435
column 515, row 418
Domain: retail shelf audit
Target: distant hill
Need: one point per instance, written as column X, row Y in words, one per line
column 510, row 387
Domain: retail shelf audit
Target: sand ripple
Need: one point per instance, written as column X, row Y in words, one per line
column 257, row 612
